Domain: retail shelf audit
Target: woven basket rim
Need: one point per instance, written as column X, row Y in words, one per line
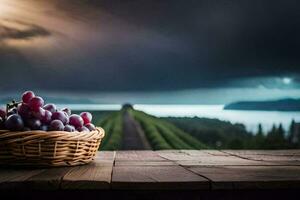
column 22, row 136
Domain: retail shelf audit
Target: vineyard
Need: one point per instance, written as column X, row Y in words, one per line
column 112, row 124
column 164, row 135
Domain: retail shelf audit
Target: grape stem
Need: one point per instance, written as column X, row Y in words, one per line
column 11, row 105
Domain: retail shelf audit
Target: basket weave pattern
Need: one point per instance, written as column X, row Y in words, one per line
column 54, row 148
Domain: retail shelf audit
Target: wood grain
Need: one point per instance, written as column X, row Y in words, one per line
column 251, row 177
column 165, row 170
column 156, row 177
column 96, row 175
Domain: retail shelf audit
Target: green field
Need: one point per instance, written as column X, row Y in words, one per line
column 164, row 135
column 112, row 124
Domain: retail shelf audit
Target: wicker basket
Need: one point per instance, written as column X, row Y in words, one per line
column 54, row 148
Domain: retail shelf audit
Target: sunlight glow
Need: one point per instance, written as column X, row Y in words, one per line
column 287, row 80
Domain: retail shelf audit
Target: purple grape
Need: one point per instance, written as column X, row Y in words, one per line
column 87, row 117
column 46, row 119
column 34, row 124
column 50, row 107
column 27, row 96
column 44, row 128
column 14, row 123
column 60, row 115
column 90, row 126
column 24, row 111
column 67, row 110
column 39, row 114
column 69, row 128
column 1, row 123
column 76, row 121
column 3, row 113
column 83, row 129
column 56, row 125
column 35, row 103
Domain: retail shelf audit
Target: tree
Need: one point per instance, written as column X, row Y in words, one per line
column 259, row 138
column 275, row 138
column 291, row 136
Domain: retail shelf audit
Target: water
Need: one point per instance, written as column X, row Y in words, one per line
column 249, row 118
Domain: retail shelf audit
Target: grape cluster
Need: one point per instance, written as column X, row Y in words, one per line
column 33, row 114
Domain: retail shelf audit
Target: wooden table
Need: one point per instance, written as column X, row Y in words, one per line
column 225, row 174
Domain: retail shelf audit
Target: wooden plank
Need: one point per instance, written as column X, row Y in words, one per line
column 291, row 152
column 156, row 177
column 13, row 178
column 49, row 179
column 144, row 163
column 105, row 155
column 275, row 157
column 96, row 175
column 206, row 158
column 138, row 155
column 251, row 177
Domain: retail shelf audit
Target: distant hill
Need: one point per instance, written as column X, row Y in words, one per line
column 276, row 105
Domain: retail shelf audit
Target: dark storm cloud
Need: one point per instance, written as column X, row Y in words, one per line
column 177, row 44
column 30, row 30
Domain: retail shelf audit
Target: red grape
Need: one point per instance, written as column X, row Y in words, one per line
column 27, row 96
column 76, row 121
column 34, row 124
column 24, row 110
column 69, row 128
column 46, row 119
column 90, row 126
column 3, row 113
column 87, row 117
column 35, row 103
column 39, row 114
column 59, row 115
column 83, row 129
column 14, row 123
column 67, row 110
column 56, row 125
column 51, row 107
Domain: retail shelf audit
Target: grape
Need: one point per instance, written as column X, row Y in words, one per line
column 1, row 123
column 56, row 125
column 90, row 126
column 3, row 113
column 50, row 107
column 39, row 114
column 67, row 110
column 46, row 119
column 14, row 123
column 35, row 103
column 59, row 115
column 34, row 124
column 44, row 128
column 87, row 117
column 27, row 96
column 24, row 110
column 83, row 129
column 69, row 128
column 76, row 121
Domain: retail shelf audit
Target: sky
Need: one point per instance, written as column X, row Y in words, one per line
column 152, row 46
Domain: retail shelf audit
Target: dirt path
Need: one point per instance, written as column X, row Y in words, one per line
column 133, row 136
